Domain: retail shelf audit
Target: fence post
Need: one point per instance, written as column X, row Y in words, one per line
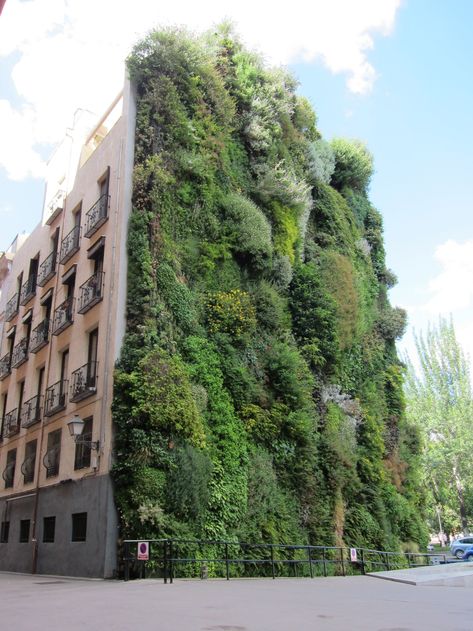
column 408, row 559
column 127, row 562
column 171, row 565
column 310, row 561
column 362, row 555
column 343, row 562
column 324, row 561
column 165, row 560
column 272, row 561
column 387, row 562
column 226, row 561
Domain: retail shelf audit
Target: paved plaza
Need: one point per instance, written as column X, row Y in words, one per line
column 40, row 603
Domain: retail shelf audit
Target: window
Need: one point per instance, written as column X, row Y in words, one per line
column 69, row 280
column 4, row 531
column 82, row 456
column 4, row 411
column 92, row 358
column 104, row 183
column 79, row 526
column 53, row 454
column 28, row 466
column 21, row 393
column 41, row 372
column 9, row 471
column 49, row 529
column 24, row 530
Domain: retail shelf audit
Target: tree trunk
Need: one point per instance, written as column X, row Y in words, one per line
column 461, row 499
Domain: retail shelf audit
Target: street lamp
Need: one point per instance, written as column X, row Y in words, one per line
column 76, row 427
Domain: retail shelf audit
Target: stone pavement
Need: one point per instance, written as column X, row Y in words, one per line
column 451, row 575
column 40, row 603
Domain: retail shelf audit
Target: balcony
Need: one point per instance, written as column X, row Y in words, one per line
column 31, row 411
column 28, row 290
column 47, row 269
column 55, row 398
column 20, row 353
column 11, row 308
column 11, row 423
column 39, row 336
column 55, row 206
column 63, row 316
column 91, row 292
column 84, row 382
column 5, row 366
column 97, row 215
column 69, row 245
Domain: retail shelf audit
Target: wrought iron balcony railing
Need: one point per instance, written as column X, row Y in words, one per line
column 91, row 292
column 11, row 423
column 55, row 397
column 11, row 308
column 39, row 336
column 31, row 411
column 5, row 366
column 63, row 316
column 27, row 469
column 28, row 290
column 84, row 381
column 47, row 269
column 97, row 215
column 9, row 474
column 57, row 202
column 69, row 245
column 20, row 353
column 51, row 461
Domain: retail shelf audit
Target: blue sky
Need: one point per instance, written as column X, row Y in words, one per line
column 406, row 90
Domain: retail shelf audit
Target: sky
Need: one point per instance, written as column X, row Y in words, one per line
column 394, row 73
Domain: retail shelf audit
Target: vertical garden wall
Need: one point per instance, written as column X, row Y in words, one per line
column 259, row 394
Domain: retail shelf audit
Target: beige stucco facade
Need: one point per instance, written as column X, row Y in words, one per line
column 62, row 314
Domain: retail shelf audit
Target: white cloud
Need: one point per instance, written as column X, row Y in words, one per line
column 71, row 52
column 452, row 288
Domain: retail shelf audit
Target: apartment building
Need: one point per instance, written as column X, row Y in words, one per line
column 62, row 319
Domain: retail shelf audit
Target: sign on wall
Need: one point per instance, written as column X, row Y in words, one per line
column 353, row 555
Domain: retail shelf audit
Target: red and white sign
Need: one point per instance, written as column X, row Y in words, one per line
column 353, row 556
column 143, row 551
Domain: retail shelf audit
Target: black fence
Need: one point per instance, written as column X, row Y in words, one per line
column 186, row 558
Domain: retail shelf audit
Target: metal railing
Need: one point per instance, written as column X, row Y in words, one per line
column 28, row 290
column 57, row 201
column 91, row 292
column 27, row 469
column 47, row 269
column 31, row 411
column 97, row 215
column 20, row 353
column 55, row 397
column 5, row 366
column 69, row 245
column 51, row 461
column 63, row 316
column 173, row 558
column 84, row 381
column 11, row 423
column 39, row 336
column 11, row 308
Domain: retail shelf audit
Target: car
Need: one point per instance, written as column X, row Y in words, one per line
column 458, row 547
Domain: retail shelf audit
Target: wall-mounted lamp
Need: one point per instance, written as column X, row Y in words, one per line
column 76, row 427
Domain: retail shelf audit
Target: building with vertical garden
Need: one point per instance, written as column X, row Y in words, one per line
column 257, row 392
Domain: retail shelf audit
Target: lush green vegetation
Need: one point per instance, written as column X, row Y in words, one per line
column 259, row 394
column 440, row 403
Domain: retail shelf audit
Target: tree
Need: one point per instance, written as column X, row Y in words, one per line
column 439, row 400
